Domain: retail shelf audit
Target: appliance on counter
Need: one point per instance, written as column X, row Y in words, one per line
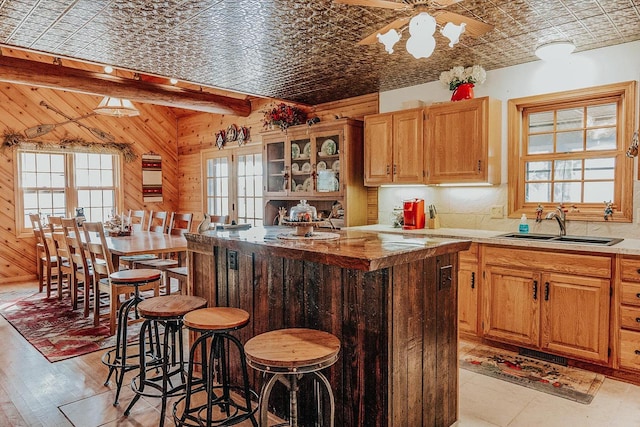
column 413, row 214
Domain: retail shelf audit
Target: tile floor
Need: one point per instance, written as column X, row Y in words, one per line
column 489, row 402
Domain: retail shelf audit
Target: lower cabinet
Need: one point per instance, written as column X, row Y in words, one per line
column 629, row 310
column 468, row 281
column 548, row 301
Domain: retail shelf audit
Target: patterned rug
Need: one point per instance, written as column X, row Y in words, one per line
column 570, row 383
column 53, row 328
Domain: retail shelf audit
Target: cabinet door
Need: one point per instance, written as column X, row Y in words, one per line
column 511, row 305
column 328, row 163
column 468, row 297
column 575, row 316
column 378, row 149
column 276, row 171
column 302, row 165
column 408, row 165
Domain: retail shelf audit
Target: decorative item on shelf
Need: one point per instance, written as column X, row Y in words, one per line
column 312, row 121
column 243, row 135
column 282, row 215
column 80, row 218
column 283, row 116
column 632, row 151
column 220, row 139
column 462, row 80
column 608, row 210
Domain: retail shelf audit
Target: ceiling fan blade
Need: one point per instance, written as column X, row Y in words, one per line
column 443, row 3
column 473, row 26
column 373, row 38
column 374, row 3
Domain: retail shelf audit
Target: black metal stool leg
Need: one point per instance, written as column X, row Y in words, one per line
column 143, row 367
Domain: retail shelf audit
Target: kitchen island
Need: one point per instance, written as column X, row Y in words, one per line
column 391, row 299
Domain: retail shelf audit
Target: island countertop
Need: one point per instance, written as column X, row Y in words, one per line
column 354, row 249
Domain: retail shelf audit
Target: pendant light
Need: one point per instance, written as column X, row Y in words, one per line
column 116, row 107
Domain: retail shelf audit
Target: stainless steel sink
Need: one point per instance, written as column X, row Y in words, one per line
column 554, row 238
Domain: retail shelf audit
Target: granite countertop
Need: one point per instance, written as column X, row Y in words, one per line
column 361, row 249
column 626, row 247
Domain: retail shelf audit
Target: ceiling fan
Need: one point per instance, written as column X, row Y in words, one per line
column 472, row 26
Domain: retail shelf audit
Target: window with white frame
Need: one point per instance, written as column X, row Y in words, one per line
column 569, row 149
column 233, row 184
column 55, row 183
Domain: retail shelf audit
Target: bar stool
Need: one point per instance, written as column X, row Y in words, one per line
column 288, row 354
column 167, row 311
column 116, row 359
column 215, row 325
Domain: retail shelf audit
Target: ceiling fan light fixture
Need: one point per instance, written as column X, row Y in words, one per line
column 421, row 43
column 116, row 107
column 555, row 50
column 389, row 39
column 453, row 32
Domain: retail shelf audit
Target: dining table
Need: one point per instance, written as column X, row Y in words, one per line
column 145, row 242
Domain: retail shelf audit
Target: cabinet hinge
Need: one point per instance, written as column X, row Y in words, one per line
column 609, row 352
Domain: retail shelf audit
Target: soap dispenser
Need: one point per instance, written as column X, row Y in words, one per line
column 524, row 227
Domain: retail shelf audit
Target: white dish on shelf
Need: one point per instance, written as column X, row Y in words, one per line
column 299, row 187
column 308, row 183
column 306, row 167
column 295, row 167
column 321, row 166
column 293, row 183
column 335, row 166
column 295, row 151
column 328, row 147
column 307, row 150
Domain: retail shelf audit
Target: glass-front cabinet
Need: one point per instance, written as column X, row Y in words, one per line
column 316, row 163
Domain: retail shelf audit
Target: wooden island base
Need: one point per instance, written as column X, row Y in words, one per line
column 391, row 300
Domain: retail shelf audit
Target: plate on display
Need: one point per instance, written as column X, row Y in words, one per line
column 308, row 183
column 336, row 166
column 328, row 147
column 293, row 183
column 299, row 187
column 321, row 166
column 295, row 167
column 306, row 168
column 307, row 149
column 295, row 151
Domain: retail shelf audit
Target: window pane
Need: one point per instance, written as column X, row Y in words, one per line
column 541, row 122
column 598, row 192
column 572, row 118
column 538, row 171
column 43, row 164
column 602, row 115
column 567, row 169
column 567, row 192
column 538, row 192
column 539, row 144
column 599, row 169
column 569, row 141
column 601, row 139
column 82, row 178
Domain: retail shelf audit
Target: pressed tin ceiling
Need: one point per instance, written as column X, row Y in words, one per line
column 300, row 50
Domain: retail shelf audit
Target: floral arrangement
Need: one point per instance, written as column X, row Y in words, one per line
column 283, row 116
column 117, row 225
column 458, row 75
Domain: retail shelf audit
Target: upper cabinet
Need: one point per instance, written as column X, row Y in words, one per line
column 321, row 163
column 463, row 142
column 453, row 142
column 394, row 147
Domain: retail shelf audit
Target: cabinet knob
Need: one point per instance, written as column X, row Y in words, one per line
column 389, row 168
column 638, row 319
column 535, row 290
column 637, row 352
column 638, row 271
column 395, row 169
column 546, row 291
column 638, row 295
column 473, row 282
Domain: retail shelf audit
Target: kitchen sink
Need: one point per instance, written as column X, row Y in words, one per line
column 554, row 238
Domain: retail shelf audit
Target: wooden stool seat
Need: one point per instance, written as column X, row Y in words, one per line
column 170, row 306
column 159, row 263
column 292, row 350
column 216, row 319
column 132, row 277
column 179, row 273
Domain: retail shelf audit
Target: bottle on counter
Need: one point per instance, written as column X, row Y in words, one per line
column 524, row 227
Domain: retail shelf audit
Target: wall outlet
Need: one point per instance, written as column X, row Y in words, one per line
column 497, row 212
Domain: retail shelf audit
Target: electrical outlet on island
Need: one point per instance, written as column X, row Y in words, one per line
column 497, row 211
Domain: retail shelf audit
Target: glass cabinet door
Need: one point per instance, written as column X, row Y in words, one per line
column 276, row 171
column 328, row 163
column 302, row 166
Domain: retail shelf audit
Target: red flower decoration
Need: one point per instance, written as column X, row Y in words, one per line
column 283, row 116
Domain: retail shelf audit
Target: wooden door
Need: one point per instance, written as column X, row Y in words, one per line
column 575, row 316
column 468, row 291
column 378, row 149
column 511, row 305
column 408, row 164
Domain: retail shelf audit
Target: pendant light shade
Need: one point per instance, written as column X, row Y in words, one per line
column 116, row 107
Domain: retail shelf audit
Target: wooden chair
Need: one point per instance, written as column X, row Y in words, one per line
column 65, row 266
column 158, row 222
column 82, row 271
column 219, row 219
column 136, row 219
column 103, row 271
column 180, row 223
column 47, row 259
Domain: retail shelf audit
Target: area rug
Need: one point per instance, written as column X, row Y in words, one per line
column 570, row 383
column 53, row 328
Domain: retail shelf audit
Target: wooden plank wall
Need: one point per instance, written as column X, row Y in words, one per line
column 154, row 130
column 196, row 133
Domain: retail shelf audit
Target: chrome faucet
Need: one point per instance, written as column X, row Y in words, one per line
column 560, row 215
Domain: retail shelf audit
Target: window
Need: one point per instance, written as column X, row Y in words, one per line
column 569, row 148
column 233, row 184
column 52, row 183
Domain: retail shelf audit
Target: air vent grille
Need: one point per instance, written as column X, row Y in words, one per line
column 551, row 358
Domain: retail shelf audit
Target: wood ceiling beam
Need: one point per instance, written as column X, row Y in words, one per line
column 40, row 74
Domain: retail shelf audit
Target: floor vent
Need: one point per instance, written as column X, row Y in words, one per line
column 551, row 358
